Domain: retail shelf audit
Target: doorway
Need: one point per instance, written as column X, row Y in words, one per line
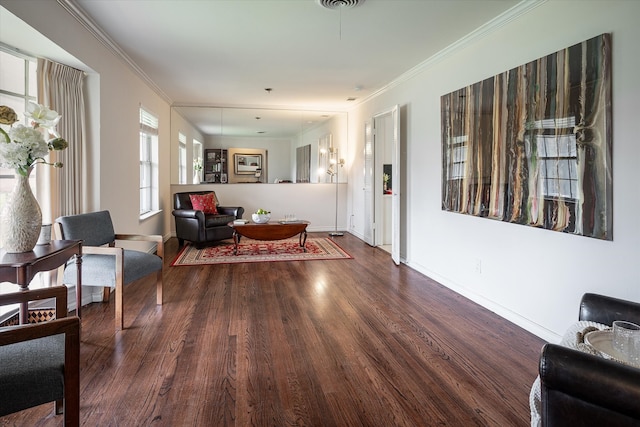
column 382, row 185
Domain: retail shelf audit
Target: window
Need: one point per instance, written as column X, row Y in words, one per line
column 457, row 156
column 557, row 157
column 18, row 86
column 197, row 161
column 182, row 159
column 148, row 163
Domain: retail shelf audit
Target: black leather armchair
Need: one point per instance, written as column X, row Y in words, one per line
column 580, row 389
column 198, row 227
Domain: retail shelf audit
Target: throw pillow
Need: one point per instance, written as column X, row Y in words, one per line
column 204, row 202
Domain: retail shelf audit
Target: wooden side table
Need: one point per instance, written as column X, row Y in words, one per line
column 20, row 268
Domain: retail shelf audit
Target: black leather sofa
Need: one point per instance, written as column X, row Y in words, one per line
column 580, row 389
column 200, row 228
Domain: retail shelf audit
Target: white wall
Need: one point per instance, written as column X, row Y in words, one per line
column 531, row 276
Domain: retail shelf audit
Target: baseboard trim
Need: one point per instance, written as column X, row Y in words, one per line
column 498, row 309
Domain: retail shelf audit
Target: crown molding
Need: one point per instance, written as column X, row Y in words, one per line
column 522, row 8
column 75, row 11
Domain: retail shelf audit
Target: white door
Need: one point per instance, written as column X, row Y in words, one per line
column 368, row 185
column 397, row 185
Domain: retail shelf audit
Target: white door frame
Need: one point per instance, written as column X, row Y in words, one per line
column 369, row 187
column 374, row 171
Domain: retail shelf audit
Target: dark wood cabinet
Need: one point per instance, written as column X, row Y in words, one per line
column 215, row 165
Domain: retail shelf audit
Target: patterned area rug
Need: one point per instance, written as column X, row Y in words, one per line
column 250, row 250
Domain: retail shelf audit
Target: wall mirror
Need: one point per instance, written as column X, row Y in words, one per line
column 247, row 164
column 279, row 133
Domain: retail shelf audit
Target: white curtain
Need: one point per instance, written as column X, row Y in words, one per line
column 60, row 191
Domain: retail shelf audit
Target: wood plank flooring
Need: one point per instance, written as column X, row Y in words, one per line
column 358, row 342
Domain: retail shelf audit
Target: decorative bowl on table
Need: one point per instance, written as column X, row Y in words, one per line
column 261, row 218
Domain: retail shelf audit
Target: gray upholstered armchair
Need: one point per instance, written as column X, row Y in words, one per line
column 41, row 362
column 199, row 227
column 104, row 264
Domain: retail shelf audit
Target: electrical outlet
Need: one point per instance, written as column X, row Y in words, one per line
column 478, row 265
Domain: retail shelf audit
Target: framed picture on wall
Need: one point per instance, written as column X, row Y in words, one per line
column 532, row 145
column 247, row 164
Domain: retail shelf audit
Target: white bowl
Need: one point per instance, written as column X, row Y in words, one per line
column 261, row 218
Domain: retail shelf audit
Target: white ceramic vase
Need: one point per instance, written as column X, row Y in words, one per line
column 21, row 218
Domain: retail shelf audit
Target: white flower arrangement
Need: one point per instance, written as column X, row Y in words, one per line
column 197, row 164
column 25, row 146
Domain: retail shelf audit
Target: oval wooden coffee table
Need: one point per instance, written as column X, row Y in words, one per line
column 270, row 231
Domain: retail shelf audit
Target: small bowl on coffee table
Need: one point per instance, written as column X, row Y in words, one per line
column 261, row 218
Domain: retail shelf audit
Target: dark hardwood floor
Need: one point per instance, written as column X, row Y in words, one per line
column 358, row 342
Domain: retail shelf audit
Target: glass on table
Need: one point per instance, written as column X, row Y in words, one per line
column 626, row 340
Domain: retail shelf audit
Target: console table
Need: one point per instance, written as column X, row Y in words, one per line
column 20, row 268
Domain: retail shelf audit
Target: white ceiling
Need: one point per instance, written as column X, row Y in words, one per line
column 227, row 52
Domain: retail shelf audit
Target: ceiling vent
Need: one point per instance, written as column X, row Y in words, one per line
column 337, row 4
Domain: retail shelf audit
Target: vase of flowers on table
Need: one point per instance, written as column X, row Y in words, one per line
column 21, row 148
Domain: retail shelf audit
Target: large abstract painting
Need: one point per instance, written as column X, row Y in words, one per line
column 532, row 146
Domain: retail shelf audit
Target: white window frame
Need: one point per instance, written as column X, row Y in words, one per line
column 557, row 154
column 457, row 157
column 182, row 158
column 149, row 193
column 197, row 158
column 7, row 176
